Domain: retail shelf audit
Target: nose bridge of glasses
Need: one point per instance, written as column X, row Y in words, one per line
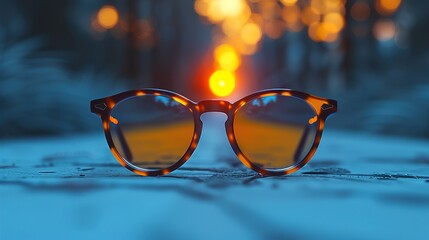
column 214, row 106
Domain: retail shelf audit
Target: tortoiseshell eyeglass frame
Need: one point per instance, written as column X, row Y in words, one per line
column 323, row 108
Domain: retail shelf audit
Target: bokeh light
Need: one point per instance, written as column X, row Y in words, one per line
column 218, row 10
column 227, row 57
column 251, row 33
column 108, row 17
column 324, row 19
column 222, row 83
column 334, row 21
column 309, row 16
column 387, row 7
column 360, row 11
column 245, row 49
column 273, row 29
column 291, row 16
column 384, row 30
column 243, row 24
column 288, row 2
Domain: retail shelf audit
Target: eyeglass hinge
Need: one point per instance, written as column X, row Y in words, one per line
column 327, row 106
column 101, row 106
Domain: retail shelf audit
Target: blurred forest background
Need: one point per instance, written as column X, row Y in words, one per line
column 370, row 55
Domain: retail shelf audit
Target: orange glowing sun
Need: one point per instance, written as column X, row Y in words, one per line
column 222, row 83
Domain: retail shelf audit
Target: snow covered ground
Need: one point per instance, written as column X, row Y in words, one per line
column 357, row 186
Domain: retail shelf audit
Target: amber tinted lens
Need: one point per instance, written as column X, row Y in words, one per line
column 275, row 132
column 151, row 132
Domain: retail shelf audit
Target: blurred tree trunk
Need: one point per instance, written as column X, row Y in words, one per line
column 131, row 69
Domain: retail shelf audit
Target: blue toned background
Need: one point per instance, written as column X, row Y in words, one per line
column 55, row 57
column 369, row 178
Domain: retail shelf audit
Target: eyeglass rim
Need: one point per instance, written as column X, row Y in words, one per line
column 323, row 108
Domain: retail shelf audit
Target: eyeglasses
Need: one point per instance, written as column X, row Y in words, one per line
column 153, row 132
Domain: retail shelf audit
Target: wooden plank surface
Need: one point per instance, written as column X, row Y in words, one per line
column 356, row 186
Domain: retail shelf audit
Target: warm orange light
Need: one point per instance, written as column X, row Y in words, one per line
column 230, row 7
column 291, row 14
column 183, row 102
column 313, row 31
column 227, row 57
column 387, row 7
column 318, row 6
column 245, row 49
column 273, row 29
column 243, row 23
column 213, row 13
column 267, row 95
column 322, row 32
column 309, row 16
column 251, row 33
column 108, row 17
column 220, row 9
column 222, row 83
column 201, row 7
column 334, row 22
column 114, row 120
column 333, row 5
column 291, row 17
column 288, row 2
column 231, row 26
column 390, row 4
column 312, row 120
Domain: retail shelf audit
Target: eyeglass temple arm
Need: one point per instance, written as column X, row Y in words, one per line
column 122, row 140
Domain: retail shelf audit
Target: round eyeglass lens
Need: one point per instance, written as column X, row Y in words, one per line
column 150, row 131
column 275, row 132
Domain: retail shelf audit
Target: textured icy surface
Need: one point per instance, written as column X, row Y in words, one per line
column 356, row 186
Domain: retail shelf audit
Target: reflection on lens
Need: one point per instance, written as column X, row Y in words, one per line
column 151, row 132
column 275, row 132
